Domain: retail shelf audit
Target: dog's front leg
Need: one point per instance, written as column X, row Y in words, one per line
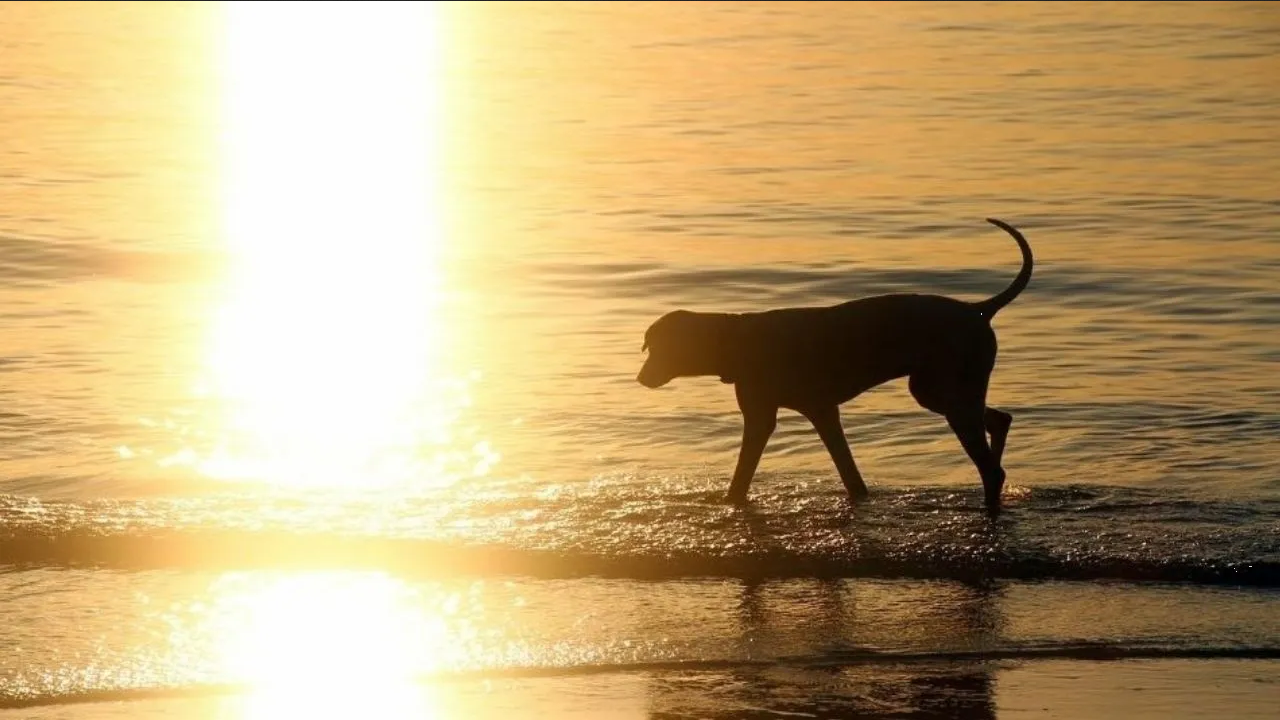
column 827, row 422
column 759, row 418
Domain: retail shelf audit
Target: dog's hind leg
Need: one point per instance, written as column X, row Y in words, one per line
column 827, row 422
column 758, row 422
column 997, row 423
column 961, row 400
column 969, row 428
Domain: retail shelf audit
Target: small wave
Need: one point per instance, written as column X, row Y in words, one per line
column 792, row 530
column 834, row 659
column 37, row 261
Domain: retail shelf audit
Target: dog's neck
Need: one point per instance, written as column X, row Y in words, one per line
column 725, row 343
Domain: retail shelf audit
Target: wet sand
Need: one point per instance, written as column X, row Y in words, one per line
column 1165, row 689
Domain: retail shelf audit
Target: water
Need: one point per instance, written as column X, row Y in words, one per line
column 215, row 411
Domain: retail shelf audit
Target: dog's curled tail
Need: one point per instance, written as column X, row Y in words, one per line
column 989, row 307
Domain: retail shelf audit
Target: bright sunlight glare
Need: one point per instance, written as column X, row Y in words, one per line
column 326, row 645
column 323, row 351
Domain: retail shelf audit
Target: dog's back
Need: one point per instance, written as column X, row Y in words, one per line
column 843, row 350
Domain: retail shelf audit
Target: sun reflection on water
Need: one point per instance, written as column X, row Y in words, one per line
column 326, row 359
column 326, row 645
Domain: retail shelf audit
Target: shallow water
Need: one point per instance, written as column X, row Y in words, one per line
column 178, row 402
column 703, row 647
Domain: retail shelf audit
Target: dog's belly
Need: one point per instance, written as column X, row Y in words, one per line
column 820, row 391
column 824, row 380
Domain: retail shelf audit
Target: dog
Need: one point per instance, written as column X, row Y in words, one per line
column 814, row 359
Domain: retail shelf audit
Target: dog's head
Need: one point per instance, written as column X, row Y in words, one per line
column 681, row 344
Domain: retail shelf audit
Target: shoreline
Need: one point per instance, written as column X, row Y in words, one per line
column 1049, row 688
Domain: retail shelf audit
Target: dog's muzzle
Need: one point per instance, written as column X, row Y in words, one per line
column 650, row 379
column 650, row 382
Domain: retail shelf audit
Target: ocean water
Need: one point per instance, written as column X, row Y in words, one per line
column 318, row 371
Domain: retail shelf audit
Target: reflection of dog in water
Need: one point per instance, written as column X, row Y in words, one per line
column 812, row 360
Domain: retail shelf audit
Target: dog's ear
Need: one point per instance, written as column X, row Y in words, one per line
column 645, row 346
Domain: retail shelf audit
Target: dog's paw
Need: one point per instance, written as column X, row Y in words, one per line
column 992, row 506
column 857, row 495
